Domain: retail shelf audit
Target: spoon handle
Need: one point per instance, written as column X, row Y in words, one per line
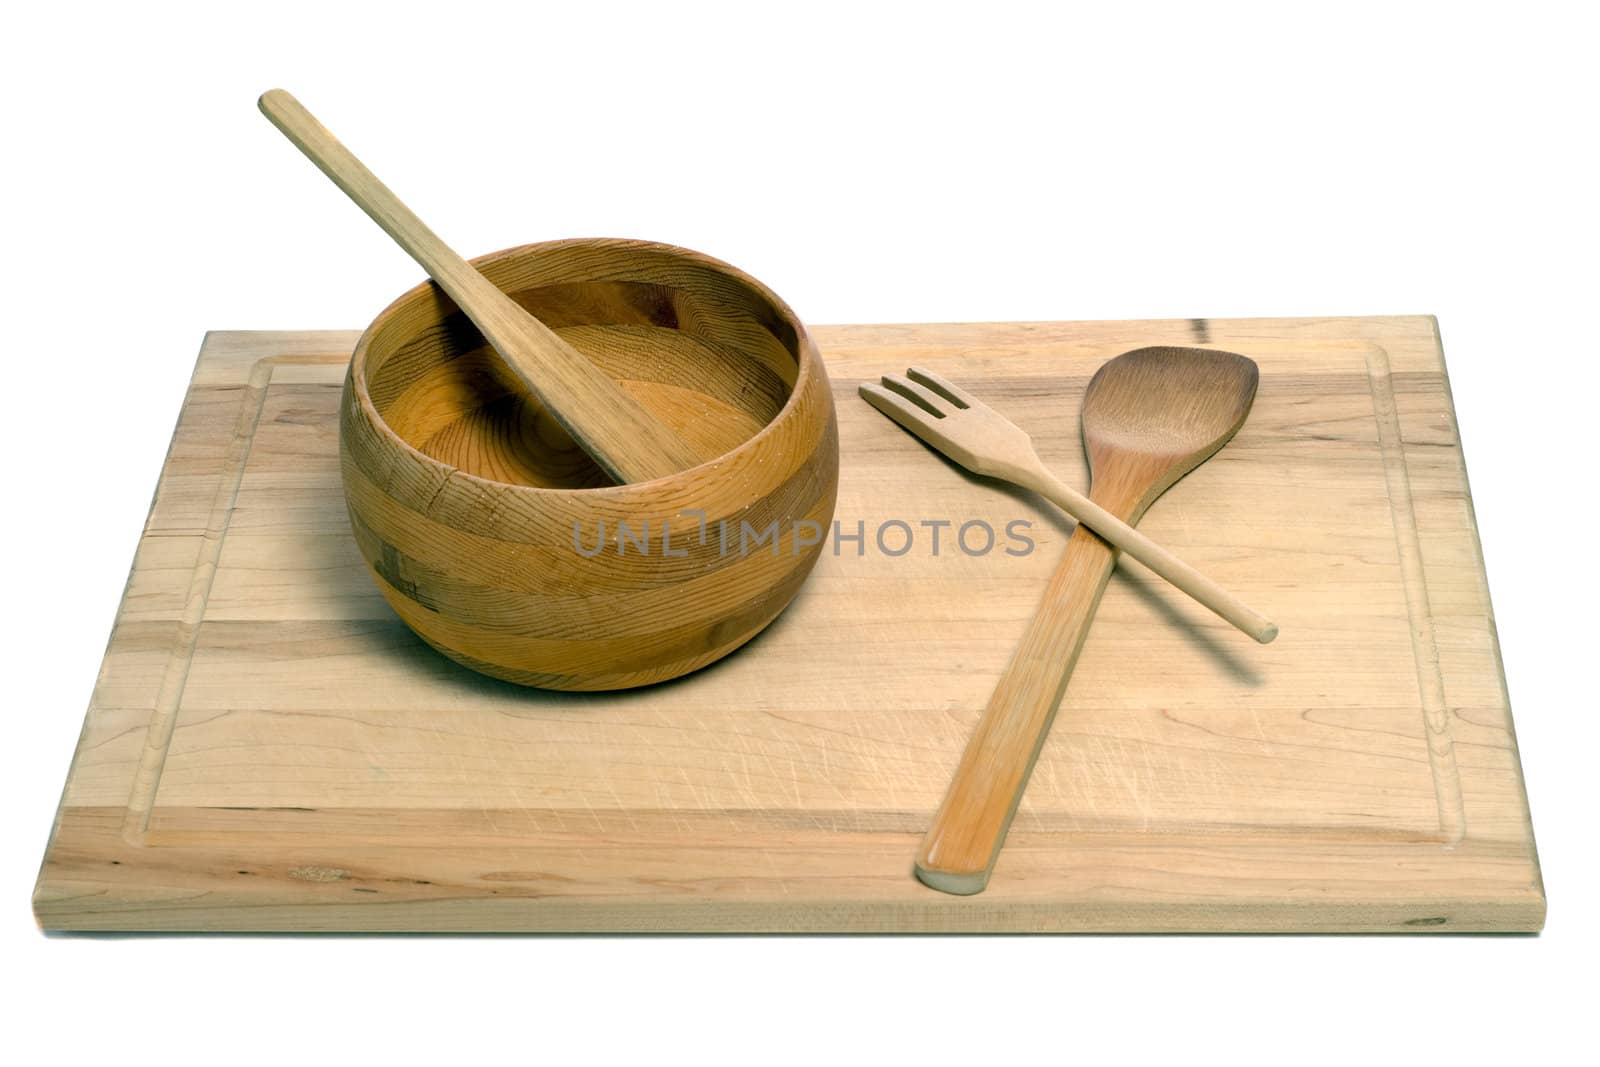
column 621, row 435
column 960, row 849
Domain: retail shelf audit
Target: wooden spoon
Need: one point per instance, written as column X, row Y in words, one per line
column 1149, row 417
column 620, row 434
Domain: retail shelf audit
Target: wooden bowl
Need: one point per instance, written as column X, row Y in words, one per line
column 504, row 547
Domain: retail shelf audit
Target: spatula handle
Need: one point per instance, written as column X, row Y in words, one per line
column 619, row 433
column 960, row 850
column 455, row 275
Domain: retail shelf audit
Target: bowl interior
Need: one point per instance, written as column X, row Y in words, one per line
column 701, row 349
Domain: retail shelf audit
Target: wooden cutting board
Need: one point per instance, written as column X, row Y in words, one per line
column 268, row 748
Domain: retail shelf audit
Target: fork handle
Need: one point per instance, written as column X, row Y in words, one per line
column 1152, row 555
column 959, row 851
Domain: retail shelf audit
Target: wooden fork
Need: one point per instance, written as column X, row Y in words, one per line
column 985, row 442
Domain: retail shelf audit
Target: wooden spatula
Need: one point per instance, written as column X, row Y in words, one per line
column 620, row 434
column 1149, row 417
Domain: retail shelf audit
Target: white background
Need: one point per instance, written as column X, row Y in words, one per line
column 872, row 164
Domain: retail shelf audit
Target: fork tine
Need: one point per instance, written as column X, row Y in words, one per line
column 902, row 411
column 948, row 391
column 924, row 398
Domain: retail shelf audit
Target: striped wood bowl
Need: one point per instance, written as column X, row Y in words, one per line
column 504, row 547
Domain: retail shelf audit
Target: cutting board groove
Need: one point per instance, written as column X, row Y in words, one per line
column 1430, row 683
column 269, row 748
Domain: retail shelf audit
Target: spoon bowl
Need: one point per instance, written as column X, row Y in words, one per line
column 1152, row 415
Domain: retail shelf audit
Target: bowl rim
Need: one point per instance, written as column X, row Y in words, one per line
column 808, row 361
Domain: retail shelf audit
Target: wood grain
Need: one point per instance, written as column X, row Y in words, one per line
column 269, row 748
